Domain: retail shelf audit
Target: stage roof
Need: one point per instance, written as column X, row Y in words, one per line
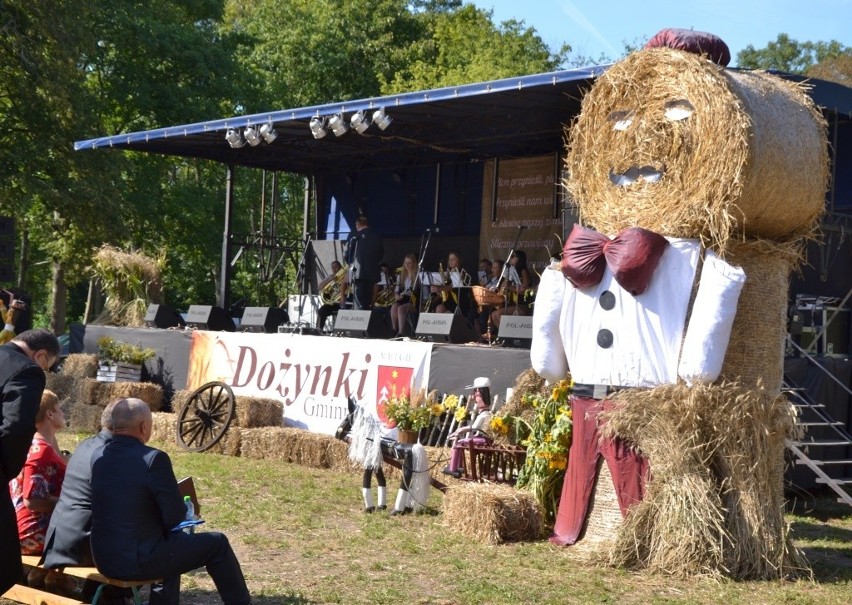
column 513, row 117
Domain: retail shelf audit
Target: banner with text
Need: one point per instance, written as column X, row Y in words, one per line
column 313, row 377
column 526, row 197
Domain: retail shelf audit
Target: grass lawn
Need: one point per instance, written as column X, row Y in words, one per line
column 301, row 537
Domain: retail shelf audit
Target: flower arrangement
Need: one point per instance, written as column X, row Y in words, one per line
column 410, row 413
column 111, row 351
column 547, row 443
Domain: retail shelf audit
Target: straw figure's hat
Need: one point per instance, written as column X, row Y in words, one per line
column 669, row 141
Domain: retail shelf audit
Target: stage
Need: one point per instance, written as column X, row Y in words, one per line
column 311, row 375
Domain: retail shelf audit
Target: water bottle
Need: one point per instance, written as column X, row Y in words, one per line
column 190, row 514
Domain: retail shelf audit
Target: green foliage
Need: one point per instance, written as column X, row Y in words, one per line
column 410, row 413
column 113, row 351
column 548, row 441
column 786, row 54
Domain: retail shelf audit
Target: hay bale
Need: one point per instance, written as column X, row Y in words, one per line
column 150, row 393
column 85, row 418
column 80, row 365
column 750, row 159
column 756, row 350
column 715, row 502
column 253, row 412
column 604, row 516
column 289, row 445
column 92, row 392
column 163, row 430
column 179, row 399
column 64, row 386
column 491, row 513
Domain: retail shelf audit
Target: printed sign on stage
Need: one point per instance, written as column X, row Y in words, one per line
column 312, row 376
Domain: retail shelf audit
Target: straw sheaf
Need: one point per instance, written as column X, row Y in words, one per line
column 80, row 365
column 491, row 513
column 724, row 175
column 756, row 349
column 714, row 504
column 604, row 517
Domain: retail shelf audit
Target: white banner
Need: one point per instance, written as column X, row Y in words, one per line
column 313, row 376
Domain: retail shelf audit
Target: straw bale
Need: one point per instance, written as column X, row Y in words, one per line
column 150, row 393
column 253, row 412
column 80, row 365
column 289, row 445
column 230, row 444
column 492, row 514
column 715, row 503
column 756, row 349
column 85, row 418
column 64, row 386
column 163, row 430
column 179, row 399
column 604, row 517
column 92, row 392
column 751, row 159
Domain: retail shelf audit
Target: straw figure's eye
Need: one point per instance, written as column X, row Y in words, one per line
column 679, row 109
column 621, row 120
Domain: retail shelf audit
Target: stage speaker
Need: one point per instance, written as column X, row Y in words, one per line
column 363, row 324
column 207, row 317
column 263, row 319
column 163, row 316
column 515, row 331
column 444, row 327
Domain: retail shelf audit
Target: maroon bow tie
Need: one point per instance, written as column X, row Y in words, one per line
column 632, row 256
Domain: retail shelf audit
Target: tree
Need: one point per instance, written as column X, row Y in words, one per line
column 786, row 54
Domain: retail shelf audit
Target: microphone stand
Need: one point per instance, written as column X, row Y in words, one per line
column 505, row 273
column 418, row 282
column 302, row 279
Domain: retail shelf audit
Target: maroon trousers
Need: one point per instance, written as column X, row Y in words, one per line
column 629, row 470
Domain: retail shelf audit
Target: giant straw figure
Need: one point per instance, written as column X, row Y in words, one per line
column 701, row 184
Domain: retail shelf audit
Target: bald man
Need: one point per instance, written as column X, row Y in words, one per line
column 135, row 506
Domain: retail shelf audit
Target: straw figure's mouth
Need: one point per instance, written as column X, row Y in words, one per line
column 637, row 174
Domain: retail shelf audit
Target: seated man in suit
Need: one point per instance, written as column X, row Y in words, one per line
column 67, row 540
column 135, row 507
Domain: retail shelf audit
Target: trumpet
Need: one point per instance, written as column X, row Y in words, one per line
column 332, row 292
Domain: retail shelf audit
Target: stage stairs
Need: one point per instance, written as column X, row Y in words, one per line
column 826, row 444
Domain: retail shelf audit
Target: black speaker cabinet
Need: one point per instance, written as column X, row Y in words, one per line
column 443, row 327
column 363, row 324
column 163, row 316
column 516, row 331
column 263, row 319
column 207, row 317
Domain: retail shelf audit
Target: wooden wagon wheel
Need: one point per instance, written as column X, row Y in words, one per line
column 205, row 417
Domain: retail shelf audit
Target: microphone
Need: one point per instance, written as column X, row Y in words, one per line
column 433, row 228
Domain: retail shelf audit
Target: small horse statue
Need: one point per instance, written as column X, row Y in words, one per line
column 369, row 448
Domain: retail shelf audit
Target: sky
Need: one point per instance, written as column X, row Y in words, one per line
column 593, row 27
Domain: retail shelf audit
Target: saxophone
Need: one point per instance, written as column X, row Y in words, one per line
column 331, row 292
column 387, row 293
column 445, row 277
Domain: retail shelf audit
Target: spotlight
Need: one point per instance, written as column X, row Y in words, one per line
column 360, row 121
column 381, row 119
column 338, row 125
column 318, row 127
column 234, row 138
column 252, row 136
column 268, row 132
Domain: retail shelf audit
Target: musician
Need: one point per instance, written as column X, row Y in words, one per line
column 520, row 280
column 484, row 271
column 364, row 253
column 405, row 298
column 386, row 282
column 451, row 296
column 330, row 309
column 479, row 318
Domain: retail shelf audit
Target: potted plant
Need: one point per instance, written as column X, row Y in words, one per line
column 121, row 361
column 409, row 414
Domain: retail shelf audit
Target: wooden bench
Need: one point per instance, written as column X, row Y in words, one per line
column 34, row 596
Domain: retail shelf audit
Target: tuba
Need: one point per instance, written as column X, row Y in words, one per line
column 387, row 294
column 331, row 292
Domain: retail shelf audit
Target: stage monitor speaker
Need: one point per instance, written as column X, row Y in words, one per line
column 363, row 324
column 515, row 331
column 207, row 317
column 163, row 316
column 263, row 319
column 444, row 327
